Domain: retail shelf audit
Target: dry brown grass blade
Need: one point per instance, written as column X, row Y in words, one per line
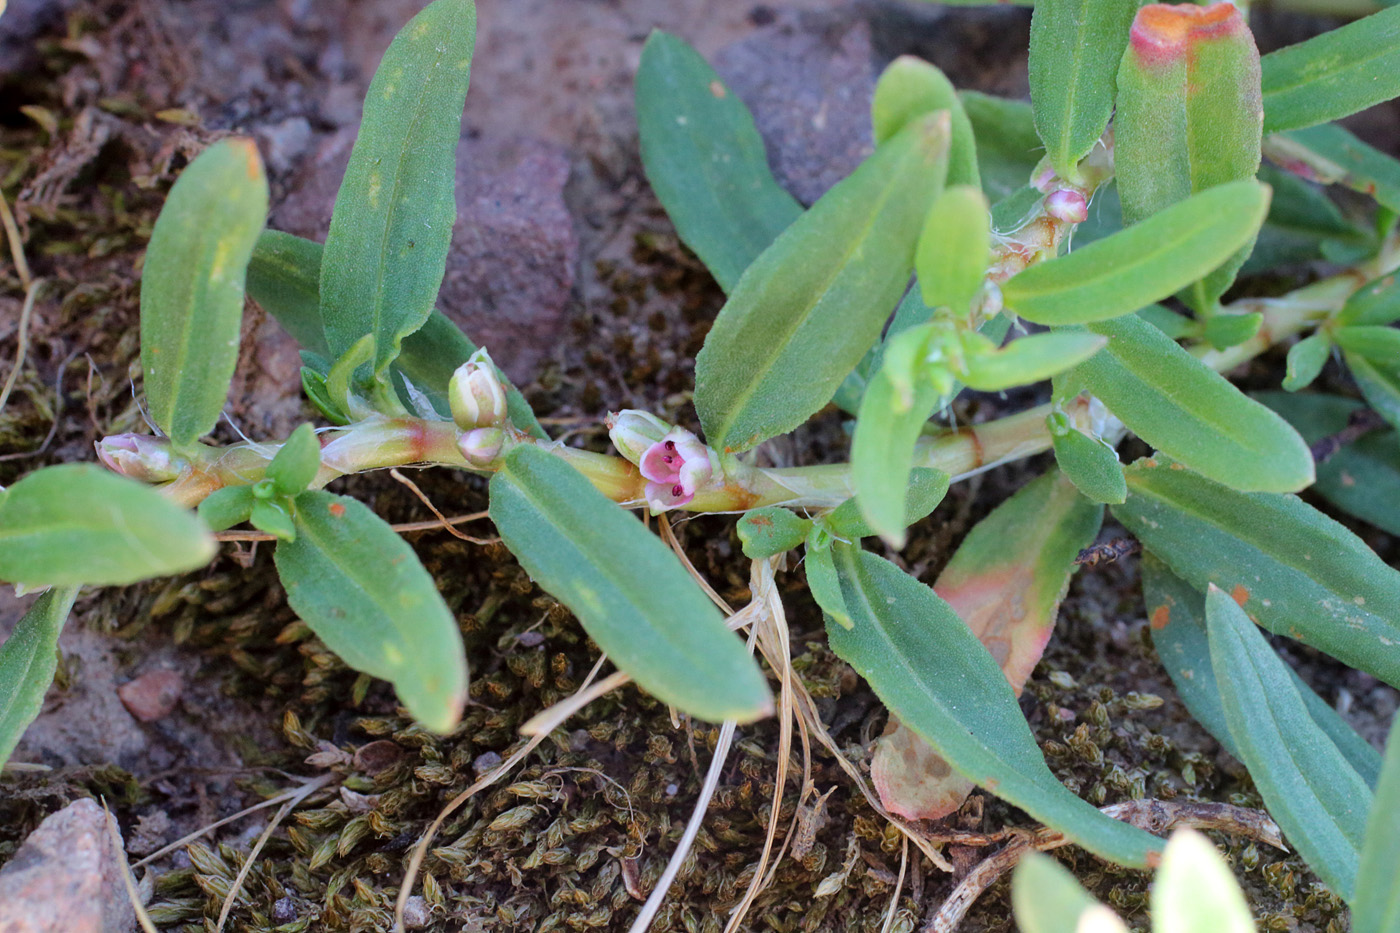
column 442, row 519
column 420, row 851
column 300, row 793
column 898, row 887
column 7, row 220
column 128, row 882
column 1155, row 816
column 21, row 341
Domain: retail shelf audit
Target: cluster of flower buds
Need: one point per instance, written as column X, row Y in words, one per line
column 673, row 461
column 478, row 403
column 140, row 457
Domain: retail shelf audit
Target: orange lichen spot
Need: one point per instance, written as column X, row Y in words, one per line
column 1177, row 466
column 337, row 510
column 718, row 90
column 1154, row 859
column 762, row 521
column 1150, row 463
column 1239, row 594
column 1162, row 32
column 1160, row 617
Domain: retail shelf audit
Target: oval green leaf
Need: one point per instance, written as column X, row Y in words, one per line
column 1317, row 798
column 392, row 225
column 954, row 247
column 192, row 287
column 362, row 590
column 1028, row 359
column 1296, row 571
column 1075, row 49
column 882, row 452
column 78, row 523
column 1333, row 75
column 1177, row 619
column 772, row 530
column 630, row 592
column 28, row 660
column 296, row 463
column 1047, row 899
column 911, row 88
column 807, row 310
column 1147, row 262
column 1190, row 412
column 1195, row 891
column 705, row 160
column 1372, row 354
column 1092, row 466
column 938, row 679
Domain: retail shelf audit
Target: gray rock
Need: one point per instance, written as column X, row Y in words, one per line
column 808, row 78
column 510, row 272
column 66, row 878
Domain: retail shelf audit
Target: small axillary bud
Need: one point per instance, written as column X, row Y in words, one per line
column 142, row 457
column 1068, row 205
column 633, row 432
column 481, row 446
column 476, row 395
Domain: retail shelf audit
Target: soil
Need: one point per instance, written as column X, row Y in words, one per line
column 110, row 99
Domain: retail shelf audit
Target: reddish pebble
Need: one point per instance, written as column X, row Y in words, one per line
column 153, row 695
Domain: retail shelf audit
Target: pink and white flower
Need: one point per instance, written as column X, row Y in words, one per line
column 675, row 467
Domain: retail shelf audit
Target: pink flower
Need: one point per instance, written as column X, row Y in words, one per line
column 675, row 467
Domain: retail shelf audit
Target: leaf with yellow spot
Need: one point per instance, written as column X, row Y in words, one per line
column 362, row 590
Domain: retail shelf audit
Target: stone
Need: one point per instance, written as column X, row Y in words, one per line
column 510, row 270
column 67, row 878
column 153, row 695
column 808, row 78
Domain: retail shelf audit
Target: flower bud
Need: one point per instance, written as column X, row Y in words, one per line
column 475, row 393
column 633, row 432
column 481, row 445
column 1067, row 205
column 140, row 456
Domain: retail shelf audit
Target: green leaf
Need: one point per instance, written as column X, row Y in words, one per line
column 1303, row 225
column 1363, row 477
column 1375, row 303
column 1330, row 154
column 1318, row 800
column 1188, row 411
column 882, row 452
column 392, row 224
column 629, row 591
column 911, row 88
column 1188, row 118
column 1177, row 620
column 1092, row 466
column 285, row 279
column 820, row 567
column 1376, row 906
column 1047, row 899
column 295, row 465
column 226, row 507
column 1075, row 49
column 1372, row 354
column 771, row 530
column 954, row 249
column 1195, row 891
column 938, row 679
column 924, row 489
column 272, row 518
column 807, row 310
column 1305, row 361
column 1008, row 148
column 1225, row 329
column 77, row 523
column 705, row 160
column 1296, row 571
column 1028, row 360
column 361, row 589
column 1333, row 75
column 192, row 287
column 28, row 660
column 1144, row 263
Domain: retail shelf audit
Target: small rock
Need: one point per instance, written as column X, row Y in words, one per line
column 416, row 913
column 485, row 762
column 151, row 832
column 377, row 756
column 808, row 78
column 66, row 878
column 153, row 695
column 284, row 910
column 285, row 142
